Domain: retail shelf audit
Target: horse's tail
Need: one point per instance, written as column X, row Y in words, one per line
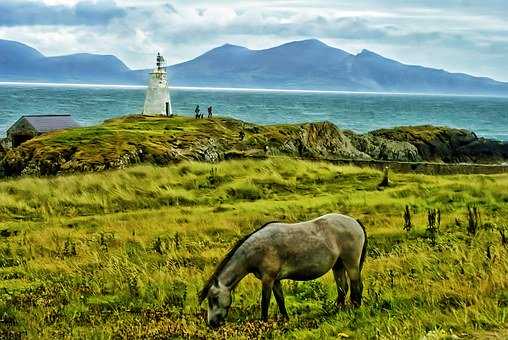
column 364, row 249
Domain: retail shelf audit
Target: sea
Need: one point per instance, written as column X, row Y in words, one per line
column 487, row 116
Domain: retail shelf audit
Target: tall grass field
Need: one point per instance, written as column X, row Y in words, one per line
column 122, row 254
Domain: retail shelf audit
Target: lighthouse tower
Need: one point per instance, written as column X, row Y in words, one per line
column 157, row 100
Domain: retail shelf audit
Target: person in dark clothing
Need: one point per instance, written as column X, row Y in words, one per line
column 210, row 112
column 196, row 111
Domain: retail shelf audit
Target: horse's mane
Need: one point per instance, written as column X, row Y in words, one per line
column 204, row 292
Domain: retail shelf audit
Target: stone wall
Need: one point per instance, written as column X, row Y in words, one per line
column 424, row 167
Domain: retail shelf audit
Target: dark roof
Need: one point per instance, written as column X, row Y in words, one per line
column 46, row 123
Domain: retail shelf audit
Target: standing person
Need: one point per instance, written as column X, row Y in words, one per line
column 196, row 111
column 210, row 112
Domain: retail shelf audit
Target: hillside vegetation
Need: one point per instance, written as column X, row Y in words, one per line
column 123, row 254
column 120, row 142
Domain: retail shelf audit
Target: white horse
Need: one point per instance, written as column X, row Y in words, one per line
column 300, row 251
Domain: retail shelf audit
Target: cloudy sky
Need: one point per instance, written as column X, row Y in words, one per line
column 457, row 35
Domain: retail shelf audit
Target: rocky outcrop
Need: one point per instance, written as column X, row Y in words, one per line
column 483, row 151
column 383, row 149
column 121, row 142
column 318, row 140
column 443, row 144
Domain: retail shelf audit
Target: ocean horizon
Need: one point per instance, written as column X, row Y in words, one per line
column 246, row 89
column 357, row 111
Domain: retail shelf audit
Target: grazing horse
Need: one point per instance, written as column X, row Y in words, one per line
column 300, row 251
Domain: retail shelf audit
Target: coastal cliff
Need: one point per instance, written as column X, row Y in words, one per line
column 120, row 142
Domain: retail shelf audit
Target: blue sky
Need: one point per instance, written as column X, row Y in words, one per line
column 456, row 35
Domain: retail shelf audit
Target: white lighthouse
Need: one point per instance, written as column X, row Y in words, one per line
column 157, row 100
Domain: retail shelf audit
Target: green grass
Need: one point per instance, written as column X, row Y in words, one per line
column 124, row 253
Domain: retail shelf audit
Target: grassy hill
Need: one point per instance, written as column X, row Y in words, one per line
column 123, row 253
column 121, row 142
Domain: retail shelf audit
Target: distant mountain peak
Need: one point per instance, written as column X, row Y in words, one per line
column 108, row 61
column 316, row 48
column 369, row 56
column 228, row 45
column 368, row 53
column 312, row 41
column 18, row 51
column 226, row 48
column 305, row 43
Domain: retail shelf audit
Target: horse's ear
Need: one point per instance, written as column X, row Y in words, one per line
column 202, row 295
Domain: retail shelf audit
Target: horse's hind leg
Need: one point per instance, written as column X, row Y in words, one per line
column 339, row 273
column 355, row 278
column 279, row 297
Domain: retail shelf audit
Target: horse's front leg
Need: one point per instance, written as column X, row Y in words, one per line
column 339, row 273
column 266, row 294
column 279, row 297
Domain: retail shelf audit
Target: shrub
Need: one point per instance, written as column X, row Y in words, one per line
column 244, row 191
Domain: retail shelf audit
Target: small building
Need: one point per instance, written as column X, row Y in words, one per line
column 30, row 126
column 157, row 100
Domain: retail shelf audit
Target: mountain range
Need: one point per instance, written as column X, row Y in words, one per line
column 307, row 64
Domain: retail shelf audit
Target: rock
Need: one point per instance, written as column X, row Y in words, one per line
column 449, row 145
column 484, row 151
column 211, row 151
column 323, row 140
column 383, row 149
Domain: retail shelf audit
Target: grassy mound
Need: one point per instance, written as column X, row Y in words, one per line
column 123, row 141
column 124, row 253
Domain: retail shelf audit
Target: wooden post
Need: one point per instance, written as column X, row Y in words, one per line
column 407, row 219
column 504, row 239
column 385, row 182
column 473, row 218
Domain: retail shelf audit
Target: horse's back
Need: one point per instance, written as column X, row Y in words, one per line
column 339, row 227
column 306, row 250
column 344, row 226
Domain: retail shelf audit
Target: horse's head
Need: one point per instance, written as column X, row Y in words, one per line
column 219, row 300
column 218, row 291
